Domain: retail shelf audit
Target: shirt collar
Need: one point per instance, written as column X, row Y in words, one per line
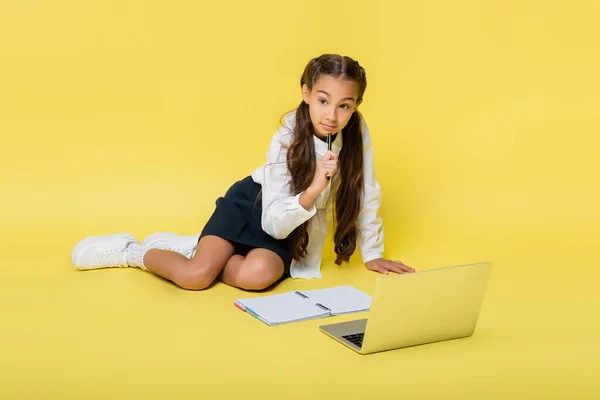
column 321, row 146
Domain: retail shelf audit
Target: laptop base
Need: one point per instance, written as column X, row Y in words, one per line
column 337, row 331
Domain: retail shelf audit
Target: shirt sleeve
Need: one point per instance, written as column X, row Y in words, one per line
column 282, row 211
column 369, row 223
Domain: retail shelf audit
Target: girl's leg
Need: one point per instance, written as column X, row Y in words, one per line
column 258, row 270
column 196, row 273
column 170, row 256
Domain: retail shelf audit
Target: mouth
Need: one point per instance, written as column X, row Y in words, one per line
column 328, row 127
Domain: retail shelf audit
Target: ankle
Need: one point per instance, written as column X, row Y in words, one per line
column 135, row 253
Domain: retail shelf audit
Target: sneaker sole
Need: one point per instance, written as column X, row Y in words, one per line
column 162, row 235
column 89, row 241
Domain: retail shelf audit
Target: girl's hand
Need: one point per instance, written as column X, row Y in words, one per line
column 326, row 168
column 383, row 266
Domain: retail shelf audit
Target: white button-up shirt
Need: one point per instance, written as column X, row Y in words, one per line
column 282, row 212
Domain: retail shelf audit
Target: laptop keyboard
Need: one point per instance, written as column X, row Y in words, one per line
column 355, row 338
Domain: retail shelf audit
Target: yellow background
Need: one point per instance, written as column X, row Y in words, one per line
column 135, row 116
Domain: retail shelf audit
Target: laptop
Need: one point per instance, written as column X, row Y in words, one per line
column 417, row 308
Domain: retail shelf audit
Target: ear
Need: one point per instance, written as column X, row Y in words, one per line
column 305, row 93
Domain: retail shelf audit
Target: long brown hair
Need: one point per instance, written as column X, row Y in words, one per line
column 301, row 159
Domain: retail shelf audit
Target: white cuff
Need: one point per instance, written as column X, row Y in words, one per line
column 371, row 256
column 283, row 217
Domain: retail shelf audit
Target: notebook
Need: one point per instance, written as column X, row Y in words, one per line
column 305, row 304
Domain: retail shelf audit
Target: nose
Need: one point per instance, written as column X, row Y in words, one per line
column 331, row 114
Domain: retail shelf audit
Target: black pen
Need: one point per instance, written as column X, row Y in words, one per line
column 329, row 147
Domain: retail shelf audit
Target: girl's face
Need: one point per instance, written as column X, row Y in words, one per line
column 331, row 102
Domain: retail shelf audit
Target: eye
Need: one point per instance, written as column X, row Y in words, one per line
column 322, row 101
column 345, row 106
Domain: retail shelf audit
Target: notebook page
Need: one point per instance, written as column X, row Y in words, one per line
column 281, row 308
column 341, row 299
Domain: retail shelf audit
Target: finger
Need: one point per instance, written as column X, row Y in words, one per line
column 330, row 155
column 330, row 164
column 380, row 269
column 329, row 168
column 329, row 173
column 327, row 165
column 397, row 267
column 404, row 267
column 394, row 268
column 405, row 270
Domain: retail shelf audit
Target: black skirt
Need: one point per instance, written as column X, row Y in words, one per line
column 237, row 219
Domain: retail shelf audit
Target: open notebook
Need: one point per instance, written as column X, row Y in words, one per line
column 305, row 304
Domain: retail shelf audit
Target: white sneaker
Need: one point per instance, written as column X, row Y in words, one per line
column 185, row 245
column 102, row 251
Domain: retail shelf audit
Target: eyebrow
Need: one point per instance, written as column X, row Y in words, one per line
column 345, row 98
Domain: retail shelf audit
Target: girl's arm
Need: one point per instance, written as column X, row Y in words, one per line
column 369, row 223
column 282, row 211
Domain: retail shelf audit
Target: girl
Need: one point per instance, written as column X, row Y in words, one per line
column 272, row 224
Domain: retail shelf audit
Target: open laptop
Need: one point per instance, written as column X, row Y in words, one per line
column 417, row 308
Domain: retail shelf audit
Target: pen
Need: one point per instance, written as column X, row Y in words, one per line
column 329, row 147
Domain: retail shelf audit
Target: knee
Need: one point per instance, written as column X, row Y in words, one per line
column 258, row 276
column 194, row 278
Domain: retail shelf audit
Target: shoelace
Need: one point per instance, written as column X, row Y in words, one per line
column 108, row 251
column 111, row 250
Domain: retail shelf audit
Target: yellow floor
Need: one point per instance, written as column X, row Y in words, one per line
column 485, row 122
column 125, row 333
